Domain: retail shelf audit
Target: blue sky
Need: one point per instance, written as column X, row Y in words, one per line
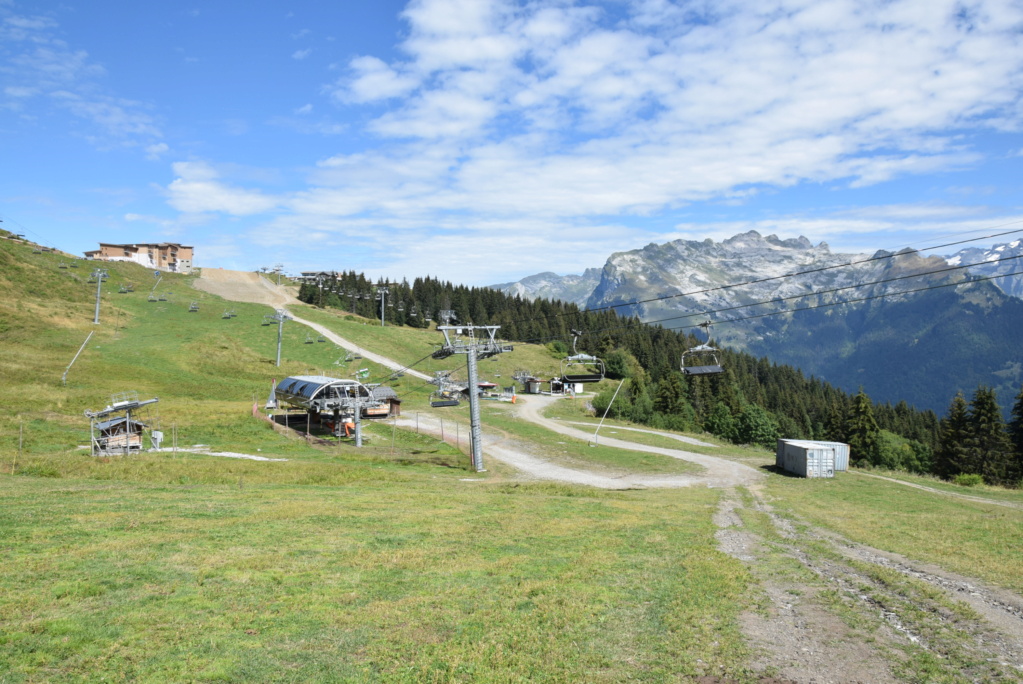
column 482, row 141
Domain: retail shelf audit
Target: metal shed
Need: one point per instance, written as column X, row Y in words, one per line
column 805, row 458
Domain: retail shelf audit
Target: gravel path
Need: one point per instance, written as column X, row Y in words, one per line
column 529, row 457
column 718, row 472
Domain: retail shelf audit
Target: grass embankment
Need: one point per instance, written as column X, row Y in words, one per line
column 574, row 410
column 974, row 539
column 372, row 581
column 207, row 370
column 578, row 453
column 410, row 345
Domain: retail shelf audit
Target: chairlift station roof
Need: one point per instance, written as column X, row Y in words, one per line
column 319, row 392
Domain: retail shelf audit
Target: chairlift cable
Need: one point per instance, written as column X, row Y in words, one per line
column 795, row 274
column 803, row 295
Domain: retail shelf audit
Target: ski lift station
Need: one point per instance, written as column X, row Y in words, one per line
column 320, row 393
column 810, row 458
column 323, row 395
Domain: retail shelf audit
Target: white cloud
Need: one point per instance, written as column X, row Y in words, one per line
column 198, row 189
column 551, row 120
column 36, row 62
column 372, row 80
column 154, row 152
column 301, row 54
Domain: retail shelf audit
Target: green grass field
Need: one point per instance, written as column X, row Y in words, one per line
column 357, row 582
column 393, row 562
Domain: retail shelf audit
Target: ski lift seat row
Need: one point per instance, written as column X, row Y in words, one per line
column 582, row 368
column 695, row 361
column 444, row 399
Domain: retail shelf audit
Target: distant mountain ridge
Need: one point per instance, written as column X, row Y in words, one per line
column 970, row 330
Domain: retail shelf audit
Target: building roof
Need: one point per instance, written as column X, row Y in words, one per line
column 145, row 244
column 107, row 424
column 383, row 393
column 320, row 392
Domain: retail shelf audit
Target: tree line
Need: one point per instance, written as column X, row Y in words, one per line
column 753, row 402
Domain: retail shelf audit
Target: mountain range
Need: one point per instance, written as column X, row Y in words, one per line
column 904, row 326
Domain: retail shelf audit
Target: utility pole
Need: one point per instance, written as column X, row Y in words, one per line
column 99, row 275
column 480, row 343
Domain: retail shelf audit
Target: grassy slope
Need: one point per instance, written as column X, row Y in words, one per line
column 340, row 564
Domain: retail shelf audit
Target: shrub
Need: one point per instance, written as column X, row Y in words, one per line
column 968, row 479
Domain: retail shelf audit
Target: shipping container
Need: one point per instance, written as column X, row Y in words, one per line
column 805, row 458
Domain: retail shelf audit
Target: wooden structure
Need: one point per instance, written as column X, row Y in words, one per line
column 115, row 428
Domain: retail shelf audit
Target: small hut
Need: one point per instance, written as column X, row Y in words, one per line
column 122, row 434
column 388, row 399
column 119, row 435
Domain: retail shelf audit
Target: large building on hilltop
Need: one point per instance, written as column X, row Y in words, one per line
column 163, row 256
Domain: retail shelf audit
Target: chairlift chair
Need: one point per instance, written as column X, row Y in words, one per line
column 62, row 265
column 581, row 368
column 309, row 339
column 74, row 264
column 122, row 290
column 151, row 297
column 193, row 307
column 702, row 359
column 443, row 398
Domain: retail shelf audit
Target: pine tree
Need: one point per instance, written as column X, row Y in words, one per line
column 670, row 396
column 949, row 457
column 862, row 431
column 1016, row 436
column 988, row 448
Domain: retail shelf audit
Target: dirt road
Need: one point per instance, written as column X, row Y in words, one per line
column 718, row 472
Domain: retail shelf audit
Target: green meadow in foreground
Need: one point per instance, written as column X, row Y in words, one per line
column 427, row 581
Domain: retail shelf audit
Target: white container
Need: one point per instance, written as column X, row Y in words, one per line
column 805, row 458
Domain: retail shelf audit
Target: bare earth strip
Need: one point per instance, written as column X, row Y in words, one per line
column 531, row 461
column 242, row 286
column 801, row 637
